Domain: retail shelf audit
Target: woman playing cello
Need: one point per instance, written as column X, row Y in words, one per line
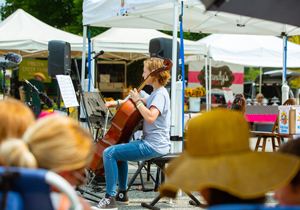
column 155, row 142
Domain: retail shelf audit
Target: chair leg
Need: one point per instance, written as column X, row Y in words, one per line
column 151, row 205
column 264, row 144
column 257, row 144
column 136, row 174
column 195, row 202
column 282, row 140
column 148, row 171
column 273, row 144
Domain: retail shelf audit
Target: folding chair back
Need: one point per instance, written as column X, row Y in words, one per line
column 28, row 189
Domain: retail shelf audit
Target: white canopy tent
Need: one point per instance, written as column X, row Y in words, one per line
column 27, row 36
column 158, row 14
column 163, row 14
column 250, row 50
column 133, row 43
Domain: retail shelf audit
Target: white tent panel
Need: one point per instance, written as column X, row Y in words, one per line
column 159, row 15
column 91, row 8
column 128, row 40
column 251, row 50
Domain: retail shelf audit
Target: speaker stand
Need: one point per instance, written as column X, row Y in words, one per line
column 81, row 96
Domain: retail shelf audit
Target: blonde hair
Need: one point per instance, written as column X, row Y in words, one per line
column 15, row 152
column 259, row 95
column 154, row 63
column 58, row 143
column 15, row 117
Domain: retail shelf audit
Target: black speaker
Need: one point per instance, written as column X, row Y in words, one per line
column 59, row 58
column 162, row 48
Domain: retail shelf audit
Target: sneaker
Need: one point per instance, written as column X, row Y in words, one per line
column 122, row 198
column 108, row 203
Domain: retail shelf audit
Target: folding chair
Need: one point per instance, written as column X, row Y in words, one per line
column 160, row 162
column 263, row 135
column 29, row 189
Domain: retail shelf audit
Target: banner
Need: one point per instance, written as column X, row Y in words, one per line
column 29, row 66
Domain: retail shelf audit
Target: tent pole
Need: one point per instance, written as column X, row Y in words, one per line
column 260, row 78
column 82, row 115
column 285, row 88
column 206, row 82
column 83, row 57
column 174, row 59
column 209, row 97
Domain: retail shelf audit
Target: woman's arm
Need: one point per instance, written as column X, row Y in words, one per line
column 112, row 104
column 149, row 115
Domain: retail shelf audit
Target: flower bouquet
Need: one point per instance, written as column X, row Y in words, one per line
column 194, row 97
column 197, row 92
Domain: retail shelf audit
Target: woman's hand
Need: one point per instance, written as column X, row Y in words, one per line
column 134, row 95
column 110, row 104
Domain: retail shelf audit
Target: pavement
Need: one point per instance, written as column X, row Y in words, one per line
column 137, row 196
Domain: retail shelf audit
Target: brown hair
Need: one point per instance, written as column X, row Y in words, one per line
column 292, row 147
column 16, row 117
column 154, row 63
column 217, row 197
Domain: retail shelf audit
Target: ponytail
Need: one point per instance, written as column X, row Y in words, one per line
column 16, row 152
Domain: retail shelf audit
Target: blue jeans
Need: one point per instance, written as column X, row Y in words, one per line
column 133, row 151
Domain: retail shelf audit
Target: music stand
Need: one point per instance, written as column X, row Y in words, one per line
column 95, row 106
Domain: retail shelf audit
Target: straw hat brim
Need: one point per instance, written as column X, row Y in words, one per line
column 245, row 174
column 40, row 74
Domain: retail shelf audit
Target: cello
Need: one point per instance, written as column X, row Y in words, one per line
column 123, row 123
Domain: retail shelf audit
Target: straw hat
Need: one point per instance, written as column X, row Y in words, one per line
column 218, row 156
column 40, row 74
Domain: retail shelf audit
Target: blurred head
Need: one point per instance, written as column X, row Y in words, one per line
column 259, row 97
column 40, row 76
column 290, row 193
column 152, row 64
column 15, row 117
column 56, row 143
column 218, row 161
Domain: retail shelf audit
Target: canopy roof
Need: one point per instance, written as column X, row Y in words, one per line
column 158, row 14
column 25, row 35
column 130, row 44
column 251, row 50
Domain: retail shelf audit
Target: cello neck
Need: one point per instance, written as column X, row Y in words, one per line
column 141, row 86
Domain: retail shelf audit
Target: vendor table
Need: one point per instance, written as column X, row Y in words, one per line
column 261, row 113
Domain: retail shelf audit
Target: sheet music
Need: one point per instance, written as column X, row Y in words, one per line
column 67, row 90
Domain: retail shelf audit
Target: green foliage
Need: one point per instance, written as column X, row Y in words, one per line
column 65, row 15
column 188, row 35
column 251, row 73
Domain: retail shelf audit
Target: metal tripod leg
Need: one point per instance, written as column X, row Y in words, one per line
column 89, row 193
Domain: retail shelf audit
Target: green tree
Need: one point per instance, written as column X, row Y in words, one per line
column 188, row 35
column 250, row 73
column 65, row 15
